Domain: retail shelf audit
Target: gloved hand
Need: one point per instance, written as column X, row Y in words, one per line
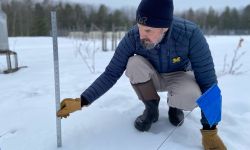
column 69, row 105
column 211, row 140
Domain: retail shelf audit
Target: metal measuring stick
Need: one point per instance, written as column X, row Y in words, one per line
column 56, row 75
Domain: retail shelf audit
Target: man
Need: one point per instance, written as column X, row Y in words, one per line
column 160, row 53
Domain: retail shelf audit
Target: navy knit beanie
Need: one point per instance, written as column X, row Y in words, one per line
column 155, row 13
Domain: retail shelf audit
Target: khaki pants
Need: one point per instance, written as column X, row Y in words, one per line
column 181, row 86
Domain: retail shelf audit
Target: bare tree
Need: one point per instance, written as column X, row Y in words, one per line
column 87, row 51
column 234, row 66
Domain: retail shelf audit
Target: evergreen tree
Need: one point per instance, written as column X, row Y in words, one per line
column 226, row 20
column 40, row 25
column 201, row 18
column 60, row 16
column 119, row 19
column 235, row 19
column 246, row 18
column 212, row 18
column 81, row 18
column 68, row 17
column 102, row 17
column 190, row 14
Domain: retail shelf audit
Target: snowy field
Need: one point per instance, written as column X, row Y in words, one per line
column 27, row 106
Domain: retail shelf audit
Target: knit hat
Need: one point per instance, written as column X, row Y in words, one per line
column 155, row 13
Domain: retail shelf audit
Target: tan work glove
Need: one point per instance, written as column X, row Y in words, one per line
column 69, row 105
column 211, row 140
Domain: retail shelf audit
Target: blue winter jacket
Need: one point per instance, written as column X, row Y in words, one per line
column 184, row 46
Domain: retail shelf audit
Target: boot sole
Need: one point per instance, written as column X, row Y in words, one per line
column 145, row 128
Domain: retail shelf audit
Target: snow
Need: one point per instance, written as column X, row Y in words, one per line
column 27, row 105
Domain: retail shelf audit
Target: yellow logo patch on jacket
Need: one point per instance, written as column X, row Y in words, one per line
column 176, row 60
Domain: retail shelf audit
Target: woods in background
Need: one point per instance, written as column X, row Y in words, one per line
column 27, row 18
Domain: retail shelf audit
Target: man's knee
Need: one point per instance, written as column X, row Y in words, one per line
column 138, row 69
column 135, row 62
column 185, row 98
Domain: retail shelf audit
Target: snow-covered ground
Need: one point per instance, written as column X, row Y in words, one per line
column 27, row 106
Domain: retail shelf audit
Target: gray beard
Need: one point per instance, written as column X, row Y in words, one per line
column 148, row 45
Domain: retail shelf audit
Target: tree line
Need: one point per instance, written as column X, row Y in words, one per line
column 229, row 21
column 27, row 18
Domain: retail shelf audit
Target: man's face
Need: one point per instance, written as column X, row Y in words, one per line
column 150, row 36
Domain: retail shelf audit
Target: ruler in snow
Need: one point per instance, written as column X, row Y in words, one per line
column 56, row 75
